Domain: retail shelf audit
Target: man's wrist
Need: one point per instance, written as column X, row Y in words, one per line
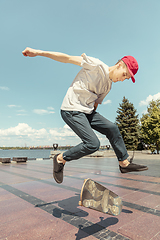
column 39, row 52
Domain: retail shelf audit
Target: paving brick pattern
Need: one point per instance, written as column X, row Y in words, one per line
column 33, row 206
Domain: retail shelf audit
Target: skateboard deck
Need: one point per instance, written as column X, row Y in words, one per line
column 97, row 197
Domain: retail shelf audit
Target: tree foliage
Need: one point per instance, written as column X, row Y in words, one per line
column 150, row 125
column 128, row 124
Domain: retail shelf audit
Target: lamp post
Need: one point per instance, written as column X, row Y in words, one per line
column 55, row 146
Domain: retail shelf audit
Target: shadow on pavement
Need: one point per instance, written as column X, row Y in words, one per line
column 97, row 228
column 67, row 206
column 68, row 211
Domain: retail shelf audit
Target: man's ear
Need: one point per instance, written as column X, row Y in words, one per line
column 119, row 64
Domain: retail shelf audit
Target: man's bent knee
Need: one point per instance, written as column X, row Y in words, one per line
column 93, row 145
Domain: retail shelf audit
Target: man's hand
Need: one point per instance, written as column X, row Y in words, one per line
column 95, row 106
column 30, row 52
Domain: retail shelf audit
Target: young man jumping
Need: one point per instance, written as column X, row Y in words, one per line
column 78, row 110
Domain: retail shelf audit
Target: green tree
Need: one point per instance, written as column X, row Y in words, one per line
column 150, row 125
column 128, row 124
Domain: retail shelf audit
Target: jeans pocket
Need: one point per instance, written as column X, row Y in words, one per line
column 75, row 113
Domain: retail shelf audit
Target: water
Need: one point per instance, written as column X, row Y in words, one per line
column 31, row 153
column 37, row 153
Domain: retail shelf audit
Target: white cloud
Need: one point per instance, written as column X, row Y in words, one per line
column 22, row 114
column 144, row 112
column 4, row 88
column 40, row 111
column 20, row 129
column 13, row 106
column 50, row 108
column 21, row 110
column 43, row 111
column 149, row 98
column 107, row 102
column 62, row 132
column 23, row 133
column 66, row 127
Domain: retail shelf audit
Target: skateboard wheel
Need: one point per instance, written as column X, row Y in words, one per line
column 91, row 203
column 116, row 201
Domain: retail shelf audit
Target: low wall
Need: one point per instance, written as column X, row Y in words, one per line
column 110, row 153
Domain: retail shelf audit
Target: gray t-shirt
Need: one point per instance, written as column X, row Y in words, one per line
column 90, row 86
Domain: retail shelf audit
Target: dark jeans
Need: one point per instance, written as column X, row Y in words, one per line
column 83, row 124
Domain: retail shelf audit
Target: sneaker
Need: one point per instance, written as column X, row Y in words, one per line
column 132, row 167
column 57, row 170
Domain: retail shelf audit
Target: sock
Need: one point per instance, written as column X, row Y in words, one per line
column 59, row 161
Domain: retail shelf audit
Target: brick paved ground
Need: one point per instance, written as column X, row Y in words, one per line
column 33, row 206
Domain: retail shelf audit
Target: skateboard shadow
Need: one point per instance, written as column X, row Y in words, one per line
column 68, row 211
column 68, row 208
column 69, row 205
column 96, row 229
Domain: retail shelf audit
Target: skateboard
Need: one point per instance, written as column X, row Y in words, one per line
column 97, row 197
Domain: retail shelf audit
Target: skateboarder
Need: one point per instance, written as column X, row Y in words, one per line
column 78, row 110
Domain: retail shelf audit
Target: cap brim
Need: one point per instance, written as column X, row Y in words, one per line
column 133, row 79
column 132, row 75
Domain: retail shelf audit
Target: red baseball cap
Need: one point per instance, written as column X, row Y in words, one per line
column 132, row 65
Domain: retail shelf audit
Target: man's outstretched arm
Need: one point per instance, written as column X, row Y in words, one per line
column 57, row 56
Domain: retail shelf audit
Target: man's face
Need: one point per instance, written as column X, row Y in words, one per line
column 121, row 73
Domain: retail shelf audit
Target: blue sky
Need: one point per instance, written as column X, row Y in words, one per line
column 32, row 89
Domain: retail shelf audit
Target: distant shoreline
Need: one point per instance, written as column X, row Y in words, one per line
column 102, row 152
column 40, row 148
